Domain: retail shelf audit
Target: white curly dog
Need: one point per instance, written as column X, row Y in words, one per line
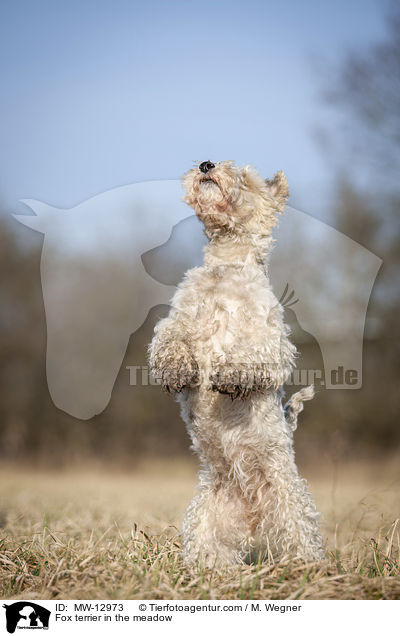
column 224, row 350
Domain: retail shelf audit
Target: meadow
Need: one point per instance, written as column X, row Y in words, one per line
column 108, row 533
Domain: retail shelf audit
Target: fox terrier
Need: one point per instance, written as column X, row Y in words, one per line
column 224, row 351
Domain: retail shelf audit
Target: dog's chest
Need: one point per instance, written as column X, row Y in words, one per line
column 230, row 304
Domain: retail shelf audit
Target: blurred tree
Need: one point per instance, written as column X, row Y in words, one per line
column 364, row 90
column 366, row 87
column 367, row 92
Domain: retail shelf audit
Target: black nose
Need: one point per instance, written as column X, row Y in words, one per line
column 206, row 166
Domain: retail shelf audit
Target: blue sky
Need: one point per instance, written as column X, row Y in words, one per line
column 99, row 94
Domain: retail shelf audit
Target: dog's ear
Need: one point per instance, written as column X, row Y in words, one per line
column 278, row 188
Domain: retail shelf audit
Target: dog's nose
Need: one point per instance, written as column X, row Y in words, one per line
column 206, row 166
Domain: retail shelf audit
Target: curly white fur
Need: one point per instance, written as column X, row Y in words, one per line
column 294, row 406
column 224, row 349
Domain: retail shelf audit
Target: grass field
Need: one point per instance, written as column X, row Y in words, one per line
column 106, row 534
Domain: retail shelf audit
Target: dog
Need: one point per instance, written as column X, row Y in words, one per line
column 225, row 353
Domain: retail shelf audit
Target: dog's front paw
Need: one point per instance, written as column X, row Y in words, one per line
column 228, row 382
column 184, row 374
column 239, row 381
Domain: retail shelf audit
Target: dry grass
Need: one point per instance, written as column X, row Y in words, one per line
column 100, row 535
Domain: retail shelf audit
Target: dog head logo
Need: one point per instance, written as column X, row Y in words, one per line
column 106, row 262
column 26, row 615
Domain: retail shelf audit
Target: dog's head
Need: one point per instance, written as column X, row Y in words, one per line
column 228, row 199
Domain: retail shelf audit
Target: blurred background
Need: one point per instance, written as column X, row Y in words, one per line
column 100, row 94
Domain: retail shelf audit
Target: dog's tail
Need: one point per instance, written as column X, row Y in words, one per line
column 295, row 405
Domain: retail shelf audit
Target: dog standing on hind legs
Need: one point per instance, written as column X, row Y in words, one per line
column 224, row 351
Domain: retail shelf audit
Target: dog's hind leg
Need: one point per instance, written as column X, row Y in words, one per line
column 214, row 527
column 290, row 522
